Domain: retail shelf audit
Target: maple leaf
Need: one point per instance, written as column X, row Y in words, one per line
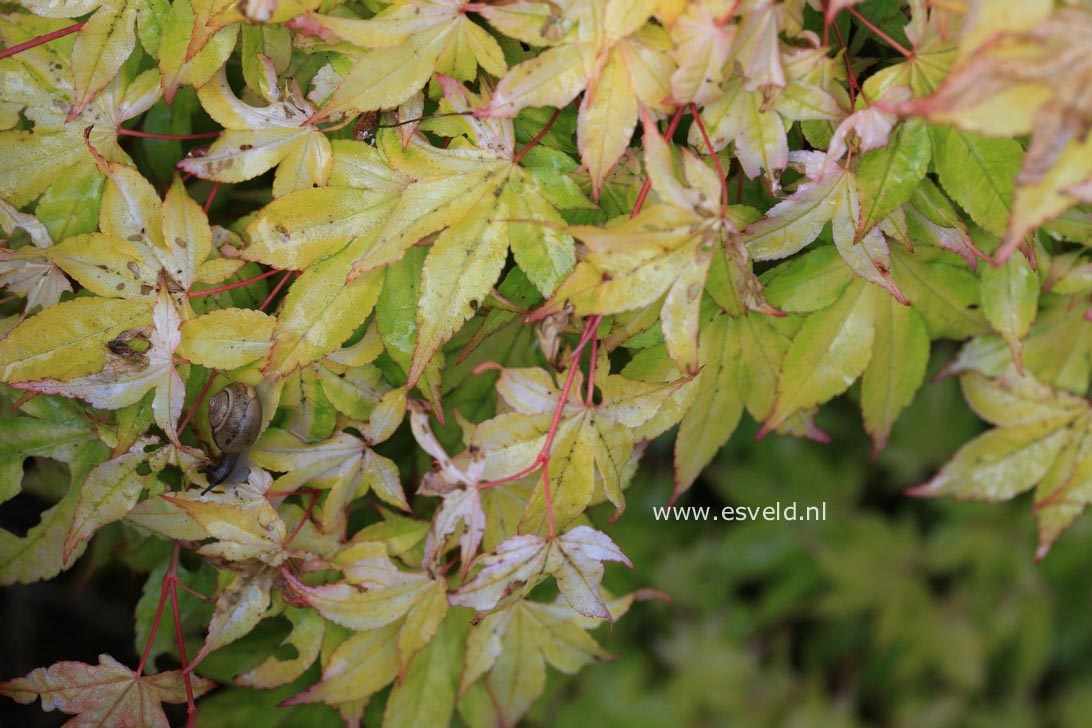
column 612, row 54
column 978, row 172
column 828, row 195
column 353, row 386
column 141, row 239
column 664, row 253
column 408, row 41
column 590, row 438
column 27, row 271
column 109, row 493
column 415, row 602
column 575, row 559
column 243, row 603
column 257, row 138
column 359, row 667
column 227, row 338
column 740, row 359
column 128, row 376
column 306, row 637
column 108, row 693
column 513, row 646
column 52, row 157
column 853, row 331
column 1042, row 437
column 47, row 428
column 243, row 522
column 1021, row 82
column 456, row 482
column 189, row 53
column 743, row 115
column 425, row 694
column 343, row 464
column 1061, row 367
column 103, row 43
column 470, row 196
column 702, row 49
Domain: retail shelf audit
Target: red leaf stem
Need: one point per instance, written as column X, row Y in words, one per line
column 41, row 39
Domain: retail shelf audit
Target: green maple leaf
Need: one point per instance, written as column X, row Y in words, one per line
column 978, row 172
column 740, row 359
column 828, row 195
column 512, row 646
column 345, row 465
column 53, row 428
column 1016, row 86
column 855, row 330
column 186, row 53
column 661, row 257
column 482, row 204
column 1057, row 349
column 1042, row 436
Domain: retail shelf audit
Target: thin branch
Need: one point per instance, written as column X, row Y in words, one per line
column 712, row 153
column 172, row 137
column 589, row 399
column 275, row 291
column 538, row 137
column 191, row 708
column 197, row 402
column 884, row 36
column 648, row 180
column 41, row 39
column 232, row 286
column 854, row 86
column 155, row 622
column 211, row 197
column 306, row 516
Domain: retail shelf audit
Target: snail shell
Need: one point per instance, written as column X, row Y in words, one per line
column 235, row 415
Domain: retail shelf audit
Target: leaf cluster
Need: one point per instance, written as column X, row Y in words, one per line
column 473, row 258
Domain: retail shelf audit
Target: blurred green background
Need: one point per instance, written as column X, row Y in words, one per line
column 895, row 611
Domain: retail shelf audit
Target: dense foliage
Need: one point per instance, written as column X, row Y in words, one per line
column 472, row 260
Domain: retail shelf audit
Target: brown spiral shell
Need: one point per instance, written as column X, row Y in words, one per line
column 235, row 415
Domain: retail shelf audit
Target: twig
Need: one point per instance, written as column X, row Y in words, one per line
column 170, row 137
column 884, row 36
column 211, row 197
column 41, row 39
column 538, row 137
column 712, row 153
column 648, row 180
column 231, row 286
column 275, row 291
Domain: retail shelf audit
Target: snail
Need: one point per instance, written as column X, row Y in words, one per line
column 235, row 415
